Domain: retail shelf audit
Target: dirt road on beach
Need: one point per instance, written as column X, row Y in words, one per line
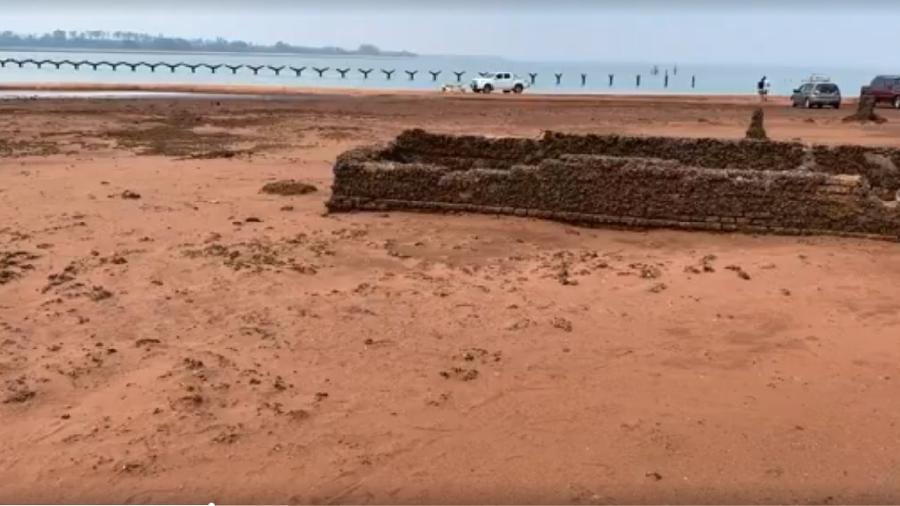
column 171, row 334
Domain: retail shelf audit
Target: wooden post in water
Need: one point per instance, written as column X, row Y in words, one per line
column 365, row 72
column 558, row 78
column 434, row 75
column 532, row 76
column 693, row 82
column 411, row 74
column 612, row 78
column 298, row 70
column 459, row 76
column 343, row 72
column 388, row 73
column 322, row 70
column 637, row 81
column 583, row 80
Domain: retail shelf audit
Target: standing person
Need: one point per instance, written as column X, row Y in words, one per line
column 762, row 87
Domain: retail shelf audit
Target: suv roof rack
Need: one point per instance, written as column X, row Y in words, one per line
column 817, row 78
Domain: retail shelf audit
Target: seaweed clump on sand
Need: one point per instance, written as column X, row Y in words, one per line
column 288, row 187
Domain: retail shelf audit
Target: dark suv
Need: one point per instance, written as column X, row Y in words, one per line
column 811, row 95
column 884, row 89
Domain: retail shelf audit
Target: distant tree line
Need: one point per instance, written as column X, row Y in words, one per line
column 132, row 41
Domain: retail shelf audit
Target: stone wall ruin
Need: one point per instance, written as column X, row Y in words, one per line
column 706, row 184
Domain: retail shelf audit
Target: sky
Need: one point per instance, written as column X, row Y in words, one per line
column 777, row 32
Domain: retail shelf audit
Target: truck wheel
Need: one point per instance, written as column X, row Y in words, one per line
column 837, row 105
column 518, row 88
column 487, row 88
column 807, row 104
column 896, row 102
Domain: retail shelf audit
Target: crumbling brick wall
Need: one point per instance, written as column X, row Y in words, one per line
column 467, row 151
column 880, row 166
column 562, row 177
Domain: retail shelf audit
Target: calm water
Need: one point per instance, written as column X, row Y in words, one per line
column 710, row 79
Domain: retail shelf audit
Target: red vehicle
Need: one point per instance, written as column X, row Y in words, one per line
column 884, row 89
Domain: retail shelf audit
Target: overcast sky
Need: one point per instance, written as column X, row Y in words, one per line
column 837, row 32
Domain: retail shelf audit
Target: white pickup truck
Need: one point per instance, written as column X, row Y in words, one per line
column 499, row 81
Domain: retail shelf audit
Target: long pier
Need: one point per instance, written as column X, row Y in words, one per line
column 298, row 71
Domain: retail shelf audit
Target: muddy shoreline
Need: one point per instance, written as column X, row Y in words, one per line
column 172, row 333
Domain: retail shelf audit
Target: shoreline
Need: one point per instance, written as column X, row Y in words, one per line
column 13, row 49
column 287, row 91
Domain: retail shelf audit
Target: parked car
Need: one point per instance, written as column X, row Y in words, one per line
column 500, row 81
column 884, row 89
column 817, row 94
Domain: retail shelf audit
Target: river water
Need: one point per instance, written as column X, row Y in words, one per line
column 707, row 79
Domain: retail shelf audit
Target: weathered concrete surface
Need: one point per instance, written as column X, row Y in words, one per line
column 642, row 182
